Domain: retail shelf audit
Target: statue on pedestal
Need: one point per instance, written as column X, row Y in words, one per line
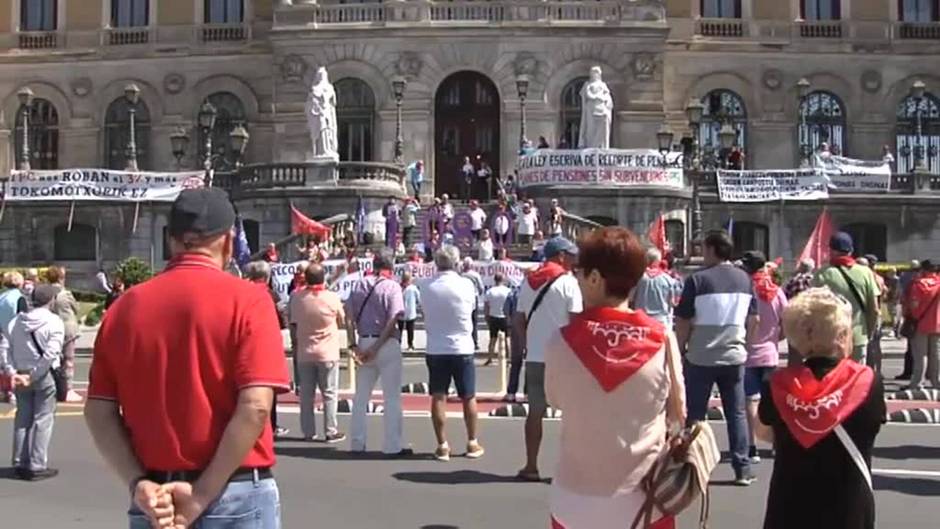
column 596, row 112
column 321, row 117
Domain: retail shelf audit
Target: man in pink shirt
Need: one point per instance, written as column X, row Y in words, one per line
column 316, row 316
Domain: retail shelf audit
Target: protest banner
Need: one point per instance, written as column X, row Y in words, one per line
column 855, row 176
column 99, row 185
column 613, row 167
column 769, row 186
column 283, row 273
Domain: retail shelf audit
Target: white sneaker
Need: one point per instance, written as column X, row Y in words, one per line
column 442, row 453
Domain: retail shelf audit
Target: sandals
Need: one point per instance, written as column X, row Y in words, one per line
column 529, row 476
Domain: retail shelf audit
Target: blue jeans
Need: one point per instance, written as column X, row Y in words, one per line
column 242, row 505
column 730, row 379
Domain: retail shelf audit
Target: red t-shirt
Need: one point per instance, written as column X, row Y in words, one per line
column 174, row 353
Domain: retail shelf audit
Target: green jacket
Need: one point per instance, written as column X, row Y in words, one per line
column 864, row 318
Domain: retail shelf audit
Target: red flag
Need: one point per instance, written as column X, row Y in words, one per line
column 657, row 234
column 817, row 247
column 301, row 224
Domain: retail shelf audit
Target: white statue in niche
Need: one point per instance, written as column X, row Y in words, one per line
column 596, row 112
column 321, row 116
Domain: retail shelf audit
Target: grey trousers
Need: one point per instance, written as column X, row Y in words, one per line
column 325, row 376
column 926, row 352
column 32, row 426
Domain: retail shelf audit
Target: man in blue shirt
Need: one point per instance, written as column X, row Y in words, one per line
column 656, row 292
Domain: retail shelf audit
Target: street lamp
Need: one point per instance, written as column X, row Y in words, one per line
column 132, row 94
column 802, row 90
column 239, row 142
column 398, row 89
column 179, row 142
column 522, row 89
column 726, row 136
column 664, row 140
column 207, row 116
column 25, row 96
column 918, row 90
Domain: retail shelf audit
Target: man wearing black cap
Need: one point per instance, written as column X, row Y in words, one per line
column 855, row 283
column 185, row 370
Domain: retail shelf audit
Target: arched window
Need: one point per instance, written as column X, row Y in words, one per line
column 252, row 233
column 224, row 11
column 750, row 236
column 824, row 118
column 80, row 244
column 355, row 115
column 821, row 9
column 675, row 235
column 721, row 8
column 907, row 138
column 229, row 114
column 43, row 135
column 130, row 13
column 723, row 106
column 117, row 134
column 571, row 113
column 38, row 15
column 869, row 238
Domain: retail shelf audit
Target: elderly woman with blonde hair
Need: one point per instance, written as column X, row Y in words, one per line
column 822, row 417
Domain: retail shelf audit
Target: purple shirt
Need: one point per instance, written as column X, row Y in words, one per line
column 762, row 348
column 385, row 304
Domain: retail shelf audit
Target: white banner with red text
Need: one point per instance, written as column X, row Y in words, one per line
column 608, row 167
column 99, row 184
column 282, row 274
column 769, row 186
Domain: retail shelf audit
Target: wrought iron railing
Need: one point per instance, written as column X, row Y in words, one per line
column 720, row 27
column 901, row 183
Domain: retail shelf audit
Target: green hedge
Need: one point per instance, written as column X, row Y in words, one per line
column 88, row 297
column 94, row 317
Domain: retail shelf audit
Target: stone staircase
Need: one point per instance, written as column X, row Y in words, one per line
column 517, row 252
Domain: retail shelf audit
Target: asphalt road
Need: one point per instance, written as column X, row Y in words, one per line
column 323, row 487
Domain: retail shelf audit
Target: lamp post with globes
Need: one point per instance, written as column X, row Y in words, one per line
column 25, row 96
column 238, row 142
column 207, row 116
column 132, row 94
column 398, row 89
column 179, row 143
column 803, row 136
column 522, row 90
column 921, row 173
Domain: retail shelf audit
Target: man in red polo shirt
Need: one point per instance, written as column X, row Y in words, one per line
column 185, row 370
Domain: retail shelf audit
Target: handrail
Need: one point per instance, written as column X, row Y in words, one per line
column 335, row 221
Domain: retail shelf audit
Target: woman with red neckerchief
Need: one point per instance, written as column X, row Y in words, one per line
column 823, row 417
column 608, row 372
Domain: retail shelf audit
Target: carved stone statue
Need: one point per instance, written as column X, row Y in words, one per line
column 596, row 112
column 321, row 116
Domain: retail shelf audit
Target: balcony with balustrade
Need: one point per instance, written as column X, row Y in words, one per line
column 342, row 178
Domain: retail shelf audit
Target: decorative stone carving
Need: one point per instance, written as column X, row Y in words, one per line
column 525, row 63
column 597, row 107
column 773, row 79
column 644, row 65
column 321, row 117
column 174, row 83
column 81, row 87
column 871, row 81
column 409, row 64
column 293, row 69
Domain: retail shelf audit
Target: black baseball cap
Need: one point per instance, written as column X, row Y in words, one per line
column 753, row 261
column 204, row 212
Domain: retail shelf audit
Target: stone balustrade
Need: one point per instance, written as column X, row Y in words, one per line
column 816, row 29
column 918, row 31
column 223, row 32
column 320, row 175
column 125, row 36
column 720, row 27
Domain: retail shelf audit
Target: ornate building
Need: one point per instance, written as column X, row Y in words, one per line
column 471, row 67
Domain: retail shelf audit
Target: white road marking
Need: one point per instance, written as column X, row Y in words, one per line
column 903, row 472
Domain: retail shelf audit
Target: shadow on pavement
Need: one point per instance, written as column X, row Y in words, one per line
column 457, row 477
column 333, row 453
column 911, row 486
column 439, row 527
column 7, row 473
column 907, row 452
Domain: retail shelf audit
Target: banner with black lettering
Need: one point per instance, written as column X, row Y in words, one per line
column 99, row 184
column 769, row 186
column 855, row 176
column 610, row 167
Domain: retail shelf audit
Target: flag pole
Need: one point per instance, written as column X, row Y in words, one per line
column 71, row 216
column 136, row 217
column 3, row 201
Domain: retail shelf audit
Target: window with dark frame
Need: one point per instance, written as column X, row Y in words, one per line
column 723, row 106
column 721, row 8
column 825, row 122
column 78, row 244
column 130, row 13
column 43, row 135
column 38, row 15
column 355, row 117
column 821, row 10
column 907, row 139
column 749, row 236
column 869, row 238
column 117, row 133
column 571, row 113
column 919, row 11
column 230, row 114
column 224, row 11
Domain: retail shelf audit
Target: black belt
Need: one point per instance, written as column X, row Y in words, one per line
column 369, row 336
column 189, row 476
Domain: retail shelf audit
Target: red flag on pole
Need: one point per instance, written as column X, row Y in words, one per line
column 657, row 234
column 817, row 247
column 301, row 224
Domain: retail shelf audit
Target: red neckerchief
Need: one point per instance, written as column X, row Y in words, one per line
column 544, row 274
column 812, row 408
column 764, row 285
column 844, row 260
column 613, row 344
column 385, row 274
column 271, row 255
column 654, row 270
column 317, row 288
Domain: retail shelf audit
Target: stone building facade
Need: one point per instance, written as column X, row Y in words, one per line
column 462, row 62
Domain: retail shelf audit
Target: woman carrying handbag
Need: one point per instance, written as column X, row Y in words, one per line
column 616, row 374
